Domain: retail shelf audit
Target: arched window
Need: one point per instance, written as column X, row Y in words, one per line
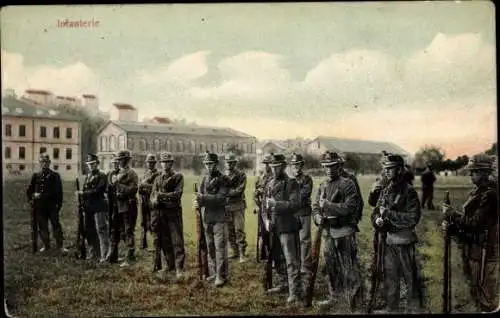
column 169, row 146
column 192, row 146
column 213, row 147
column 130, row 143
column 202, row 147
column 180, row 146
column 104, row 143
column 121, row 142
column 163, row 145
column 142, row 145
column 157, row 145
column 112, row 142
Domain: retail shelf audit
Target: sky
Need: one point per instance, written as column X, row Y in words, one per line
column 412, row 73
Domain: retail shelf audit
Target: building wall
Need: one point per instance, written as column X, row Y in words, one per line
column 124, row 114
column 42, row 99
column 33, row 144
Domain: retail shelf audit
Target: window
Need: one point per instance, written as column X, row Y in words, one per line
column 112, row 142
column 68, row 167
column 213, row 148
column 121, row 142
column 55, row 153
column 43, row 132
column 180, row 146
column 192, row 147
column 43, row 150
column 56, row 167
column 142, row 145
column 169, row 146
column 163, row 144
column 22, row 130
column 21, row 167
column 7, row 152
column 69, row 154
column 8, row 166
column 202, row 147
column 8, row 130
column 55, row 132
column 69, row 133
column 130, row 143
column 157, row 144
column 22, row 152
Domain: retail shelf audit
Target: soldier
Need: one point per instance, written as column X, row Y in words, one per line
column 305, row 184
column 282, row 204
column 335, row 208
column 259, row 200
column 380, row 183
column 166, row 218
column 95, row 208
column 477, row 229
column 397, row 213
column 344, row 173
column 45, row 193
column 212, row 198
column 428, row 178
column 145, row 187
column 236, row 206
column 125, row 186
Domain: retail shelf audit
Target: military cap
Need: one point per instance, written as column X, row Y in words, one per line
column 277, row 160
column 91, row 158
column 123, row 154
column 330, row 158
column 151, row 157
column 480, row 162
column 268, row 158
column 114, row 158
column 210, row 158
column 230, row 157
column 166, row 156
column 297, row 159
column 44, row 157
column 393, row 161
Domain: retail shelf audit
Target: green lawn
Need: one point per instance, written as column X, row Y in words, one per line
column 50, row 285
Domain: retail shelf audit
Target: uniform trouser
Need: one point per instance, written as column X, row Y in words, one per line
column 44, row 215
column 305, row 247
column 145, row 219
column 127, row 221
column 167, row 228
column 287, row 260
column 484, row 292
column 97, row 234
column 344, row 278
column 237, row 236
column 263, row 238
column 400, row 262
column 427, row 196
column 216, row 235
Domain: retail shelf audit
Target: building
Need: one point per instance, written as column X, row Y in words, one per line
column 184, row 141
column 123, row 112
column 29, row 129
column 367, row 152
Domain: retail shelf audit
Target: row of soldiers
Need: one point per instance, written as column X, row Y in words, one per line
column 285, row 207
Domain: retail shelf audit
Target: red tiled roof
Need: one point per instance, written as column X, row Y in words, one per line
column 38, row 91
column 124, row 106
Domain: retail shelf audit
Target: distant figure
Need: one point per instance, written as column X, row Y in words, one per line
column 428, row 178
column 408, row 175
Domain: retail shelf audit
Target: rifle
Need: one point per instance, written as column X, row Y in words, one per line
column 80, row 237
column 259, row 229
column 447, row 265
column 202, row 243
column 316, row 250
column 268, row 273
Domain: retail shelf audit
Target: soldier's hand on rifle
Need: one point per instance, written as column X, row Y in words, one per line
column 319, row 219
column 271, row 202
column 379, row 221
column 446, row 209
column 445, row 225
column 267, row 224
column 36, row 195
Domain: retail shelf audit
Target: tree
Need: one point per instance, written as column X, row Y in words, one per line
column 433, row 155
column 243, row 162
column 352, row 162
column 90, row 124
column 493, row 150
column 197, row 165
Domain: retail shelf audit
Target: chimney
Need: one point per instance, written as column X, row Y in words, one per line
column 90, row 103
column 124, row 112
column 39, row 97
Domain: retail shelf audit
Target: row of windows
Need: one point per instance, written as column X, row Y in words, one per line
column 22, row 153
column 167, row 145
column 22, row 167
column 56, row 133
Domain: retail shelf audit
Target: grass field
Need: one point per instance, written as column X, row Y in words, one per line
column 61, row 285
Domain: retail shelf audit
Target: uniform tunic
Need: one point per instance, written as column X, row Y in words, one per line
column 166, row 219
column 144, row 193
column 236, row 206
column 259, row 199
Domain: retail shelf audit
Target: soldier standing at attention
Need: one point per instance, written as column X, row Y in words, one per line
column 380, row 183
column 282, row 204
column 145, row 187
column 303, row 215
column 166, row 218
column 335, row 207
column 344, row 173
column 45, row 193
column 428, row 178
column 397, row 213
column 96, row 228
column 236, row 206
column 126, row 185
column 259, row 200
column 478, row 230
column 212, row 199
